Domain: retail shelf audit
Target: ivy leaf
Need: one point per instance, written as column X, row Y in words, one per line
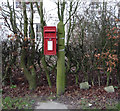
column 13, row 86
column 7, row 99
column 115, row 87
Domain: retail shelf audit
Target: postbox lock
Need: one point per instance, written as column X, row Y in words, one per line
column 49, row 40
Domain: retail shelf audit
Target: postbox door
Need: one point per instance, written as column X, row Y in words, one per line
column 50, row 46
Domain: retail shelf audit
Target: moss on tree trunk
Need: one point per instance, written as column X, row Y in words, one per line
column 30, row 75
column 40, row 12
column 27, row 63
column 46, row 71
column 61, row 60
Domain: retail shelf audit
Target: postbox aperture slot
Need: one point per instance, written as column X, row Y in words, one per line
column 49, row 32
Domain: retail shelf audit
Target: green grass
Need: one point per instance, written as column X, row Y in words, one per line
column 16, row 103
column 118, row 106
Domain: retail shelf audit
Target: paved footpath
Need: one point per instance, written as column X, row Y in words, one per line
column 50, row 105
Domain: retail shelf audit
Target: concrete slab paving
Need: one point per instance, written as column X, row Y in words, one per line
column 50, row 105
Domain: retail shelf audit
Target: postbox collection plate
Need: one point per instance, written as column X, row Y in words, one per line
column 50, row 45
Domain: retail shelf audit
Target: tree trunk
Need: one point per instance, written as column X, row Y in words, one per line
column 46, row 71
column 28, row 62
column 31, row 77
column 61, row 59
column 40, row 12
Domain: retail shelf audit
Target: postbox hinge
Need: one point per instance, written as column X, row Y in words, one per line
column 56, row 33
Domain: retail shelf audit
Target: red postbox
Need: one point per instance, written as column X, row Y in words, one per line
column 49, row 40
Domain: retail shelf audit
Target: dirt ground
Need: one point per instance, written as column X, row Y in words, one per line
column 74, row 97
column 94, row 98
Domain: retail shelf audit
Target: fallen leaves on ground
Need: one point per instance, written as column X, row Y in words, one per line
column 95, row 97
